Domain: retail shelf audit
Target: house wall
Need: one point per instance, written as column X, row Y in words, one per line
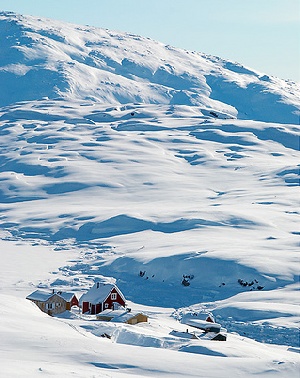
column 54, row 305
column 85, row 307
column 139, row 318
column 108, row 303
column 73, row 302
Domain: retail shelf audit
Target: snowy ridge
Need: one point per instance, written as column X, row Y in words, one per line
column 45, row 58
column 171, row 173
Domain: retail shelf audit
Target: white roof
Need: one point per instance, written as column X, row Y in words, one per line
column 67, row 295
column 202, row 324
column 43, row 295
column 40, row 295
column 119, row 316
column 122, row 318
column 99, row 292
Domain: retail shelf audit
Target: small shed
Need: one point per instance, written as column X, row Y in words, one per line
column 108, row 314
column 122, row 316
column 202, row 320
column 204, row 325
column 131, row 318
column 214, row 336
column 100, row 297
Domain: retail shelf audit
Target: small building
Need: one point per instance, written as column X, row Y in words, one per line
column 108, row 314
column 184, row 335
column 52, row 302
column 214, row 336
column 202, row 320
column 100, row 297
column 204, row 325
column 122, row 316
column 131, row 318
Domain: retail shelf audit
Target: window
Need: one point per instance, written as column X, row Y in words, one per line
column 113, row 296
column 106, row 305
column 49, row 306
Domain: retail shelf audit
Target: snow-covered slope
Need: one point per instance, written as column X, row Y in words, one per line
column 45, row 58
column 143, row 164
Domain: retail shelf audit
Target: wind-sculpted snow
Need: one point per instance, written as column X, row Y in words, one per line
column 172, row 173
column 88, row 172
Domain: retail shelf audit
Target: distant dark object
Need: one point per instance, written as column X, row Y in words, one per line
column 185, row 282
column 260, row 287
column 219, row 337
column 190, row 276
column 214, row 114
column 142, row 273
column 245, row 283
column 132, row 114
column 106, row 335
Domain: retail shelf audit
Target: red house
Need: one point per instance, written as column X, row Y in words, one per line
column 100, row 297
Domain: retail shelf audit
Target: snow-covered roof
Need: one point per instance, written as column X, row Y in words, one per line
column 119, row 316
column 122, row 318
column 112, row 313
column 67, row 295
column 40, row 295
column 200, row 316
column 99, row 292
column 43, row 295
column 202, row 324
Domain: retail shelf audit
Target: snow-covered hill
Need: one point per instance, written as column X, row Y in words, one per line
column 120, row 155
column 44, row 58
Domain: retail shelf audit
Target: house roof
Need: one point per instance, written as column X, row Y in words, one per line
column 119, row 316
column 125, row 316
column 112, row 313
column 43, row 295
column 202, row 324
column 99, row 293
column 67, row 295
column 40, row 295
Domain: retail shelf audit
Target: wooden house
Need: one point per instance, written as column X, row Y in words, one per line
column 52, row 302
column 100, row 297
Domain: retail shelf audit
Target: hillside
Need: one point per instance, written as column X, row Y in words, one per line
column 43, row 58
column 120, row 155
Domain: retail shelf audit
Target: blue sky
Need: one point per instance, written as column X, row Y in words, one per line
column 261, row 34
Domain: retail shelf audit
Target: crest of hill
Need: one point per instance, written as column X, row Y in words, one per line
column 42, row 58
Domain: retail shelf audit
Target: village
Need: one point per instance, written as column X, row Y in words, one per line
column 105, row 308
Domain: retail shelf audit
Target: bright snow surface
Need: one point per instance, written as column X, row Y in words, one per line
column 139, row 163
